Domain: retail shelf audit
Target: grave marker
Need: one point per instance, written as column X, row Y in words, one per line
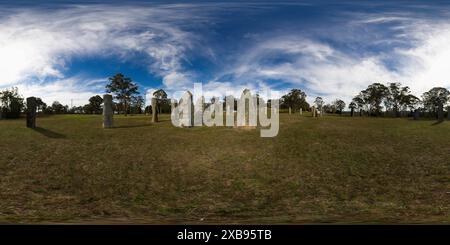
column 107, row 111
column 31, row 112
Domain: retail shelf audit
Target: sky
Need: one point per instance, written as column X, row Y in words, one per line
column 66, row 50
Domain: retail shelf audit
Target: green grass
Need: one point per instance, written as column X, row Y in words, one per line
column 331, row 169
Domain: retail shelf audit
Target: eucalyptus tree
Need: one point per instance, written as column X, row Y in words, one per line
column 352, row 106
column 319, row 103
column 434, row 98
column 123, row 89
column 339, row 105
column 374, row 96
column 397, row 98
column 295, row 100
column 161, row 99
column 360, row 103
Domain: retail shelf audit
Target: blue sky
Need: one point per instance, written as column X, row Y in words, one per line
column 66, row 50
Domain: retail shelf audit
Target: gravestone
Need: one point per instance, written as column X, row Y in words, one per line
column 186, row 106
column 313, row 110
column 31, row 112
column 199, row 107
column 107, row 111
column 301, row 112
column 154, row 110
column 247, row 110
column 229, row 104
column 441, row 112
column 290, row 111
column 448, row 112
column 416, row 114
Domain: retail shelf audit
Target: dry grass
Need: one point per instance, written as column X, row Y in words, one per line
column 331, row 169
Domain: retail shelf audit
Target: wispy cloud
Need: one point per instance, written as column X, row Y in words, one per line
column 37, row 44
column 335, row 58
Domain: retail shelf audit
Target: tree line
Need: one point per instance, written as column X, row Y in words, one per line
column 125, row 91
column 377, row 99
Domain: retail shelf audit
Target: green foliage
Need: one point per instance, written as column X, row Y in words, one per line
column 339, row 105
column 123, row 89
column 295, row 99
column 58, row 108
column 11, row 103
column 433, row 98
column 319, row 102
column 163, row 102
column 94, row 106
column 137, row 103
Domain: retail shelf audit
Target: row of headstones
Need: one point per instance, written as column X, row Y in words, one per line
column 315, row 112
column 108, row 112
column 187, row 118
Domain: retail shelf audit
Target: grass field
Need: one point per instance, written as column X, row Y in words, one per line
column 331, row 169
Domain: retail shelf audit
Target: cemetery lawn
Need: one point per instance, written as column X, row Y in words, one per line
column 331, row 169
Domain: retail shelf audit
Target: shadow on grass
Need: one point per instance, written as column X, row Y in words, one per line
column 438, row 122
column 49, row 133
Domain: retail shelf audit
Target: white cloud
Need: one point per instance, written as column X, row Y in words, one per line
column 70, row 91
column 37, row 44
column 323, row 70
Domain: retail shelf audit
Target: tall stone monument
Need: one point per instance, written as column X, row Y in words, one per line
column 31, row 112
column 448, row 112
column 441, row 112
column 416, row 114
column 313, row 110
column 247, row 110
column 107, row 111
column 199, row 107
column 229, row 104
column 154, row 110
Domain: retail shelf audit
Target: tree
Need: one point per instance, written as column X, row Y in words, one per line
column 328, row 108
column 11, row 103
column 76, row 110
column 148, row 109
column 352, row 106
column 295, row 100
column 58, row 108
column 339, row 105
column 435, row 97
column 40, row 105
column 94, row 106
column 374, row 96
column 411, row 102
column 123, row 88
column 319, row 103
column 397, row 98
column 137, row 102
column 359, row 102
column 161, row 99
